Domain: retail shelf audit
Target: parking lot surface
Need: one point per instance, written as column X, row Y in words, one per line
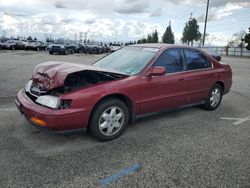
column 189, row 147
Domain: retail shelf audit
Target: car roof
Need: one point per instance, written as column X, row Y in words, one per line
column 161, row 46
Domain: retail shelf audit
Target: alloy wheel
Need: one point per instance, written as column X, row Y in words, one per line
column 215, row 97
column 111, row 121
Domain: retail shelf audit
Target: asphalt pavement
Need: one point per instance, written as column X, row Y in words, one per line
column 189, row 147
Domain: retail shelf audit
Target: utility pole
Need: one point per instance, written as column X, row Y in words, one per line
column 191, row 16
column 205, row 27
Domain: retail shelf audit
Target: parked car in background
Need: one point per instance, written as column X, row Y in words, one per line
column 108, row 95
column 80, row 48
column 115, row 47
column 62, row 47
column 22, row 44
column 36, row 45
column 15, row 44
column 9, row 44
column 106, row 48
column 93, row 48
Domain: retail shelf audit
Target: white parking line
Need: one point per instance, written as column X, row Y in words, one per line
column 237, row 121
column 8, row 109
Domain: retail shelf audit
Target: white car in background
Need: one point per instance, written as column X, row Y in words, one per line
column 115, row 47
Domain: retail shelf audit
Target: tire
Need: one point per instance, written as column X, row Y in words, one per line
column 50, row 52
column 117, row 116
column 214, row 98
column 12, row 48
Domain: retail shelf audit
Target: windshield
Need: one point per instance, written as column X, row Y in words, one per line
column 10, row 41
column 128, row 60
column 59, row 41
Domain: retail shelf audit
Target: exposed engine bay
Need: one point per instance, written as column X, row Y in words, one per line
column 74, row 81
column 83, row 79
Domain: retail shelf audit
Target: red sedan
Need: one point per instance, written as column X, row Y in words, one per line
column 105, row 97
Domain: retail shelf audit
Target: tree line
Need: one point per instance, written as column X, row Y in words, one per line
column 190, row 34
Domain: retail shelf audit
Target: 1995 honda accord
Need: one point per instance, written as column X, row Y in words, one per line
column 105, row 97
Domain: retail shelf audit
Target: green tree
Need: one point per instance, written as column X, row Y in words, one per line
column 150, row 38
column 191, row 32
column 155, row 37
column 168, row 36
column 144, row 40
column 29, row 38
column 247, row 39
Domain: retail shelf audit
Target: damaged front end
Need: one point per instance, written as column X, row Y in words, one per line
column 50, row 81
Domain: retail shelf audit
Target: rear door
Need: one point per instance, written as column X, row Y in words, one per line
column 199, row 75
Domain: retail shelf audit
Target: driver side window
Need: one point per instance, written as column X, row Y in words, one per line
column 171, row 59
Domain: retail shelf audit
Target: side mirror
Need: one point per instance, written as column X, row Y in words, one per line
column 156, row 71
column 217, row 57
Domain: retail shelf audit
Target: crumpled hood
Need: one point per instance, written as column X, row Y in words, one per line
column 52, row 74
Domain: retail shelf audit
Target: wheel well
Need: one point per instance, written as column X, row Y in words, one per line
column 121, row 97
column 221, row 84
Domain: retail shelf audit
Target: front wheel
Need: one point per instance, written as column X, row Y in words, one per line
column 109, row 120
column 65, row 52
column 214, row 98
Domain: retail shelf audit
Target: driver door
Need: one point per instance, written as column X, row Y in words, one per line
column 164, row 91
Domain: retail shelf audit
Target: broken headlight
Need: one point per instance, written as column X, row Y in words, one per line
column 49, row 101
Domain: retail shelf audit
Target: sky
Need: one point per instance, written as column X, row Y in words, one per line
column 121, row 20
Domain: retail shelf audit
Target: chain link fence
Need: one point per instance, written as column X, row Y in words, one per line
column 230, row 51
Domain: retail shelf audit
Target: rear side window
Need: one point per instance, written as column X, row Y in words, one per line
column 195, row 60
column 171, row 59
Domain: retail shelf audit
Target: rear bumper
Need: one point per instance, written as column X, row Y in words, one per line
column 228, row 86
column 58, row 121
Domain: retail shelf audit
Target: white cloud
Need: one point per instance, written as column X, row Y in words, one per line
column 218, row 13
column 102, row 19
column 217, row 39
column 157, row 12
column 131, row 6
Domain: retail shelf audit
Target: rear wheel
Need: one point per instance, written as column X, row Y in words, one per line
column 109, row 120
column 214, row 98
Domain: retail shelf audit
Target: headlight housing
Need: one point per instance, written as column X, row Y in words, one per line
column 49, row 101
